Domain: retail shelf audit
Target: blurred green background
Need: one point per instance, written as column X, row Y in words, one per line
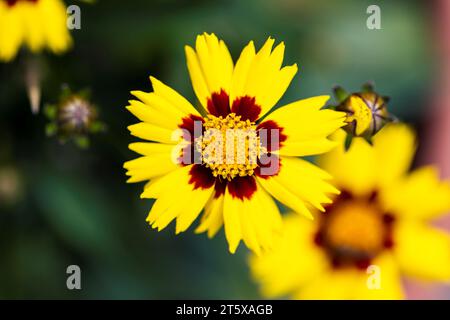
column 60, row 205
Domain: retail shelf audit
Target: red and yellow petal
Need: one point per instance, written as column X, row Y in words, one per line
column 261, row 75
column 163, row 113
column 254, row 220
column 306, row 126
column 210, row 67
column 299, row 185
column 37, row 24
column 11, row 32
column 176, row 198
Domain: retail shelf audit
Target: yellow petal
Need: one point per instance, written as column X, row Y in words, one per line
column 306, row 126
column 151, row 132
column 150, row 148
column 305, row 181
column 293, row 261
column 298, row 185
column 210, row 66
column 162, row 111
column 150, row 115
column 248, row 226
column 422, row 252
column 421, row 195
column 255, row 221
column 282, row 194
column 11, row 31
column 159, row 104
column 175, row 199
column 354, row 170
column 260, row 75
column 307, row 148
column 241, row 71
column 233, row 229
column 54, row 19
column 149, row 167
column 266, row 217
column 212, row 219
column 390, row 285
column 394, row 147
column 329, row 285
column 352, row 283
column 175, row 99
column 33, row 21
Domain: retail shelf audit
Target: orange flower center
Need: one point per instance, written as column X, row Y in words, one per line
column 355, row 227
column 354, row 230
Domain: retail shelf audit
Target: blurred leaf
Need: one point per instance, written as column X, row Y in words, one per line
column 77, row 212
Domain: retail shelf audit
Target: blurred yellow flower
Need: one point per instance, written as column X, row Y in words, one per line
column 381, row 218
column 234, row 192
column 36, row 23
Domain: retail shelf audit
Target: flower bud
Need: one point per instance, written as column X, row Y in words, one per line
column 73, row 118
column 366, row 111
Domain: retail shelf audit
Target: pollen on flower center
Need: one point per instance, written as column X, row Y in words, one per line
column 355, row 230
column 355, row 227
column 229, row 146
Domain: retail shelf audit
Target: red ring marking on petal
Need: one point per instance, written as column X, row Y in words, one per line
column 219, row 104
column 363, row 264
column 266, row 139
column 247, row 108
column 188, row 123
column 266, row 161
column 201, row 177
column 219, row 187
column 189, row 153
column 242, row 187
column 388, row 242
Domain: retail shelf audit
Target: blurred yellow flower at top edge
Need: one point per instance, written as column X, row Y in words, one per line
column 377, row 230
column 238, row 195
column 37, row 23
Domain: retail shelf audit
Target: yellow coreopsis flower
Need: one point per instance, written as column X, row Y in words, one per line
column 375, row 231
column 37, row 23
column 227, row 160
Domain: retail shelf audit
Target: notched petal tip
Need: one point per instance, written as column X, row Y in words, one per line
column 232, row 249
column 293, row 68
column 143, row 195
column 131, row 180
column 154, row 81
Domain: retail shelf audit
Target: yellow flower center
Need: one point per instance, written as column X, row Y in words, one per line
column 229, row 146
column 355, row 227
